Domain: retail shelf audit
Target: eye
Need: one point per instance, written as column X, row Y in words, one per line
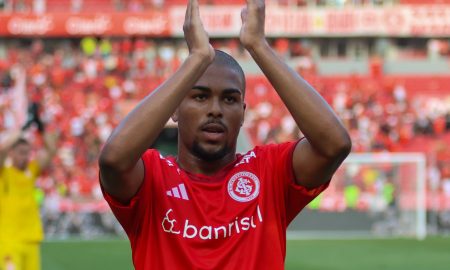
column 200, row 97
column 230, row 99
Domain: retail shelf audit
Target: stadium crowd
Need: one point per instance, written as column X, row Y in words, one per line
column 86, row 86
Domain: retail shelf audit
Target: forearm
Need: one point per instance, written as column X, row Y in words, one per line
column 50, row 141
column 7, row 143
column 49, row 151
column 313, row 115
column 143, row 124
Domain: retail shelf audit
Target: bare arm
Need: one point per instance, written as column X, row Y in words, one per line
column 121, row 168
column 327, row 142
column 45, row 156
column 6, row 145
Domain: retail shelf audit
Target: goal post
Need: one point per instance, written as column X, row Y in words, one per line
column 371, row 194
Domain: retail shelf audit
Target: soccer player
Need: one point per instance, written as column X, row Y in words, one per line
column 210, row 208
column 20, row 226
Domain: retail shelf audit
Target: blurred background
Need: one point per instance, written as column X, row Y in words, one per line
column 384, row 67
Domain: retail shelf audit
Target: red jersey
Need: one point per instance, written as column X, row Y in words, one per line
column 236, row 219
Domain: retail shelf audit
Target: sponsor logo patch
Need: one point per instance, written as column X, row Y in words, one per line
column 178, row 192
column 188, row 228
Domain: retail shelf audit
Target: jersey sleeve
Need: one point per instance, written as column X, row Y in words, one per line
column 129, row 214
column 296, row 197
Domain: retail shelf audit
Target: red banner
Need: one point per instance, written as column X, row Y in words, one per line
column 152, row 23
column 297, row 22
column 223, row 21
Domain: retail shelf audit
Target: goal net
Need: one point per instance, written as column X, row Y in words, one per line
column 372, row 194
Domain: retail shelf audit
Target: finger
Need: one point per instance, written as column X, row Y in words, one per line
column 250, row 2
column 254, row 3
column 187, row 16
column 244, row 14
column 195, row 13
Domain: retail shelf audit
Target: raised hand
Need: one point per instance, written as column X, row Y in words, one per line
column 253, row 17
column 196, row 37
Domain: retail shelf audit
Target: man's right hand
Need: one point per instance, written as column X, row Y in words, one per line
column 121, row 166
column 196, row 37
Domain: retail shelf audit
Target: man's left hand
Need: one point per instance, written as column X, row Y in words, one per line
column 253, row 18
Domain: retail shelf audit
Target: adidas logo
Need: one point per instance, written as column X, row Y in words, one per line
column 178, row 192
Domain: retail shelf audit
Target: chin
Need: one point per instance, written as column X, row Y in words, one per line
column 210, row 154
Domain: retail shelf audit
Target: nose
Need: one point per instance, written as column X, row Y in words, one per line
column 215, row 108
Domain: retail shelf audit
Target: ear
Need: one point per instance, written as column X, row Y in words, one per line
column 243, row 113
column 175, row 116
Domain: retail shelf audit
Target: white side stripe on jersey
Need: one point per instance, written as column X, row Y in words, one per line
column 175, row 192
column 183, row 192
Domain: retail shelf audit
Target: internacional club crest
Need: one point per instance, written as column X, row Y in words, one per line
column 243, row 186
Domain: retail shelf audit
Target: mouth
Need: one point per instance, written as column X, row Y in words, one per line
column 213, row 131
column 213, row 128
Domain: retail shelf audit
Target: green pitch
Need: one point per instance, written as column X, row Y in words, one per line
column 394, row 254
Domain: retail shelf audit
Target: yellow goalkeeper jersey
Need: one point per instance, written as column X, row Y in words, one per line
column 19, row 211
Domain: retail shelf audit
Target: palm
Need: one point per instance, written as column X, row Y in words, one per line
column 252, row 16
column 245, row 29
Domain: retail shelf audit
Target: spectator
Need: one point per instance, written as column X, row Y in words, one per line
column 21, row 231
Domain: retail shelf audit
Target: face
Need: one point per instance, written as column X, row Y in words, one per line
column 20, row 155
column 210, row 116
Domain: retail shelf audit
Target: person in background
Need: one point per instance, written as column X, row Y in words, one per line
column 21, row 231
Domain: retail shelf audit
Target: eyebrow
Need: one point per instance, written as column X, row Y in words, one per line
column 225, row 91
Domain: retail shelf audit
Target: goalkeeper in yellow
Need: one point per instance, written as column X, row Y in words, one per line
column 21, row 231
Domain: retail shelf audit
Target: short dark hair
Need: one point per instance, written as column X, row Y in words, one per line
column 224, row 58
column 20, row 141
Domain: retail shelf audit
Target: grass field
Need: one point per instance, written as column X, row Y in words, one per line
column 430, row 254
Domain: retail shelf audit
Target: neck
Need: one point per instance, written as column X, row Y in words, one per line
column 193, row 164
